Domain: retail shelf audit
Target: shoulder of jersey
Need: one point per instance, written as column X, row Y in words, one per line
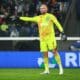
column 50, row 14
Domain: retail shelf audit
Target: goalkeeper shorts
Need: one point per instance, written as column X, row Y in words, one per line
column 48, row 44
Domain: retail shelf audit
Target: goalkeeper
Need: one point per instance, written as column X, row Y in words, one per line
column 46, row 23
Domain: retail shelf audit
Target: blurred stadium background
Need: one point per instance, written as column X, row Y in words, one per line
column 20, row 57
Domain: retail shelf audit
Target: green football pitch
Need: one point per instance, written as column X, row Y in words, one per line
column 34, row 74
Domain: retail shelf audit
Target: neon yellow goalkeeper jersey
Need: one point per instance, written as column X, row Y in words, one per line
column 45, row 24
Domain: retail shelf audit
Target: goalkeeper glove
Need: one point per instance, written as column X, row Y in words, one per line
column 63, row 36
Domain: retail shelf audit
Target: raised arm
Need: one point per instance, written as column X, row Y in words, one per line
column 31, row 19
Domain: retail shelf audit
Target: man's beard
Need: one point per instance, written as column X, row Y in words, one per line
column 43, row 12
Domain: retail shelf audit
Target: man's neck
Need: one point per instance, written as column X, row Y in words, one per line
column 43, row 13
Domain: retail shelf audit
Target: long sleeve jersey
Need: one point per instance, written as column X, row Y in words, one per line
column 45, row 24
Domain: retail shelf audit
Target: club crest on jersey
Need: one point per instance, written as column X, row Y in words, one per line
column 47, row 18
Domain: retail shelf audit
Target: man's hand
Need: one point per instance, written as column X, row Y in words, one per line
column 63, row 36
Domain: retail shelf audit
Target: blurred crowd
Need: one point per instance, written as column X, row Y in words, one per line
column 11, row 8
